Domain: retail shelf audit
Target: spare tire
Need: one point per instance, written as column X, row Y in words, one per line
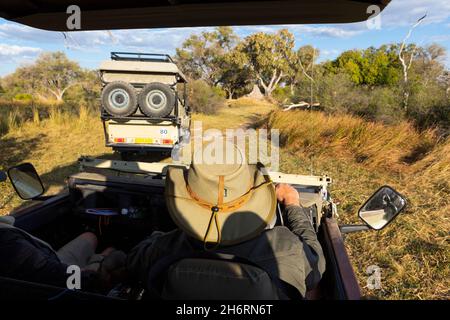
column 156, row 100
column 119, row 99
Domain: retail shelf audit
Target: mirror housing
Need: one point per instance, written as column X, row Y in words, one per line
column 382, row 208
column 3, row 176
column 26, row 181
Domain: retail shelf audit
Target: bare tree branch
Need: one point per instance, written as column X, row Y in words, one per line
column 407, row 65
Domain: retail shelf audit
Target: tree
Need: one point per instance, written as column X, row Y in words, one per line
column 407, row 62
column 57, row 73
column 235, row 76
column 201, row 56
column 49, row 76
column 266, row 53
column 301, row 64
column 370, row 67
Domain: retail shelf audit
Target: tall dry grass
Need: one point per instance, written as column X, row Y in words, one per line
column 347, row 137
column 15, row 114
column 414, row 252
column 52, row 141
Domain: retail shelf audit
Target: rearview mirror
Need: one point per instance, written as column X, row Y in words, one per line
column 382, row 207
column 26, row 181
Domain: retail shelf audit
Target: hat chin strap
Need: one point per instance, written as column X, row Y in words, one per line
column 221, row 207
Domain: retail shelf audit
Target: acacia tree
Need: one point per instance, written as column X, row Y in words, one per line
column 57, row 73
column 49, row 76
column 265, row 54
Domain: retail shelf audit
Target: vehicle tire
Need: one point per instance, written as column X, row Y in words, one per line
column 119, row 99
column 156, row 100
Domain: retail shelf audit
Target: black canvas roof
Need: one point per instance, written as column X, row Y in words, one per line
column 129, row 14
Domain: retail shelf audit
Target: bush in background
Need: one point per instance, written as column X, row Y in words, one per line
column 204, row 98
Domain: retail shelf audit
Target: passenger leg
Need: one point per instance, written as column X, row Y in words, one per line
column 79, row 251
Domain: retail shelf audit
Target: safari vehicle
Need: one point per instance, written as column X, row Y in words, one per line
column 136, row 189
column 123, row 203
column 144, row 103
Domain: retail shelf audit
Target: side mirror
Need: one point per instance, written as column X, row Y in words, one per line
column 3, row 176
column 382, row 207
column 26, row 181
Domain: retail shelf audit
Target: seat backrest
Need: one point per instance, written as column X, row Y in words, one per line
column 207, row 279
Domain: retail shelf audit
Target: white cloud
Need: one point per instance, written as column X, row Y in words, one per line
column 440, row 38
column 155, row 39
column 330, row 53
column 13, row 55
column 328, row 31
column 338, row 31
column 7, row 50
column 406, row 12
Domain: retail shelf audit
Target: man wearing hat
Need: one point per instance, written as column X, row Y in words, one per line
column 230, row 209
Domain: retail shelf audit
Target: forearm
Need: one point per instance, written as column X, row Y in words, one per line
column 298, row 221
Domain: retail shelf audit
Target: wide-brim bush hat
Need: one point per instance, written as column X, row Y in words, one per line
column 221, row 203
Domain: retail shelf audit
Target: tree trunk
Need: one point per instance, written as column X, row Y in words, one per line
column 59, row 93
column 229, row 94
column 268, row 89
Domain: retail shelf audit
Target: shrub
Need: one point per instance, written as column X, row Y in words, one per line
column 282, row 95
column 25, row 97
column 204, row 98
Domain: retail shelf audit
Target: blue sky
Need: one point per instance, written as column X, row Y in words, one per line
column 21, row 45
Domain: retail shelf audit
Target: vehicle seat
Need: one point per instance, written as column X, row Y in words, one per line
column 218, row 280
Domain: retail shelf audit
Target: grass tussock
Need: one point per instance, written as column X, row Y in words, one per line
column 347, row 137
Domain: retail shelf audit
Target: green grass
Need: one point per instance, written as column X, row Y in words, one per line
column 413, row 252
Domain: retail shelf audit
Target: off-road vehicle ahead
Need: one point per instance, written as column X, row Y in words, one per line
column 123, row 203
column 144, row 103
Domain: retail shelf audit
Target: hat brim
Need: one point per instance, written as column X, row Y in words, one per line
column 237, row 226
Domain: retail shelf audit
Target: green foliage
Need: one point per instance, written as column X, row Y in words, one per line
column 267, row 54
column 23, row 97
column 85, row 92
column 49, row 77
column 282, row 95
column 200, row 56
column 212, row 57
column 204, row 98
column 372, row 67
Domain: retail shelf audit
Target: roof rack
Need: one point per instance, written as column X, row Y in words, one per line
column 134, row 56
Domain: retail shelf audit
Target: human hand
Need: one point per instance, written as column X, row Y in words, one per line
column 287, row 195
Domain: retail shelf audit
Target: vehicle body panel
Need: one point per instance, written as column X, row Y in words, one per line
column 142, row 133
column 141, row 72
